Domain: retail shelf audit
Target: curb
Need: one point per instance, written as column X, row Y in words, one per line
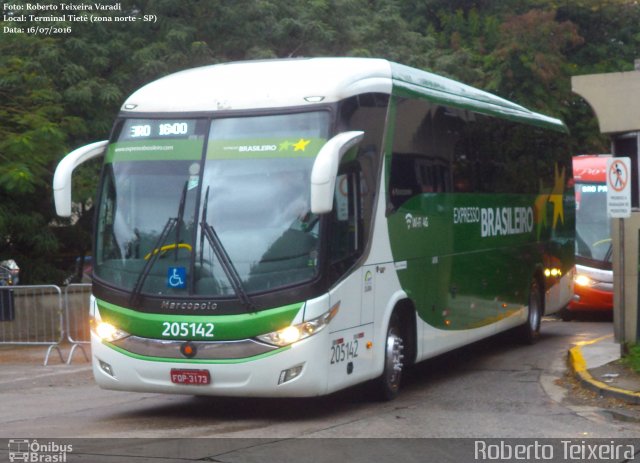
column 579, row 367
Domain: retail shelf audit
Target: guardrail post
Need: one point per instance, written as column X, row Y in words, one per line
column 32, row 315
column 76, row 301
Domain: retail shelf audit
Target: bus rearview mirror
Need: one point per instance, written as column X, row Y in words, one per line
column 64, row 171
column 325, row 170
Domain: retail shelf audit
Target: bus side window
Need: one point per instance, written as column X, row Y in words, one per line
column 403, row 182
column 346, row 221
column 414, row 174
column 433, row 176
column 424, row 138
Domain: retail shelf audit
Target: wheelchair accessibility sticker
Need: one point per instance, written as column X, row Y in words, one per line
column 177, row 277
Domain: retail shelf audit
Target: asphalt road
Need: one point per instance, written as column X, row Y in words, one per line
column 492, row 389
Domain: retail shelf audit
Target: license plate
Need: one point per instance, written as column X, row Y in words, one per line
column 190, row 377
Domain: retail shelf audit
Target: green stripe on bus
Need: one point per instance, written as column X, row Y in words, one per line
column 226, row 327
column 265, row 148
column 155, row 150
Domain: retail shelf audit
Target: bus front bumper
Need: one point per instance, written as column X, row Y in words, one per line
column 296, row 371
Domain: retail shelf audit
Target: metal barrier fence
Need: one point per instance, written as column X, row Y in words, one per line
column 76, row 304
column 32, row 315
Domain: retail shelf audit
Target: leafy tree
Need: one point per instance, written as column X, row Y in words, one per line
column 611, row 43
column 61, row 92
column 529, row 63
column 33, row 125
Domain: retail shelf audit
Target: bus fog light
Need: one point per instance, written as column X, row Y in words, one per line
column 290, row 373
column 552, row 272
column 104, row 366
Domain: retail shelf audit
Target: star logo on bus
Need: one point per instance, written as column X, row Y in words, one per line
column 555, row 197
column 540, row 211
column 284, row 146
column 301, row 145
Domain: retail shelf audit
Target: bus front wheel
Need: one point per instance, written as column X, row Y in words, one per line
column 388, row 384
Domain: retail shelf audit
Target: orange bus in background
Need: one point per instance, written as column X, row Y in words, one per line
column 594, row 274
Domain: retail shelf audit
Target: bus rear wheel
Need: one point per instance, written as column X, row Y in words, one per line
column 388, row 384
column 530, row 331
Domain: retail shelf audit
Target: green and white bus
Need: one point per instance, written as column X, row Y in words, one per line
column 294, row 227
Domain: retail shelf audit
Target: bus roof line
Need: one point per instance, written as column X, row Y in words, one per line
column 287, row 82
column 414, row 82
column 461, row 102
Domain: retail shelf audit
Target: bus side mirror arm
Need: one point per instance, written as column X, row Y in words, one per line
column 62, row 176
column 325, row 170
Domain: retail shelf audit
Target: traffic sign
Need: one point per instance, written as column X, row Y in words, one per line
column 619, row 187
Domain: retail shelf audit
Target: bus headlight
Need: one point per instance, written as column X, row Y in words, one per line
column 107, row 332
column 295, row 333
column 583, row 280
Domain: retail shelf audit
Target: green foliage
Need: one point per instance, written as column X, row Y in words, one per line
column 60, row 92
column 632, row 359
column 529, row 65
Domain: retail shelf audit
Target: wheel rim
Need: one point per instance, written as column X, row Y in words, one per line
column 393, row 360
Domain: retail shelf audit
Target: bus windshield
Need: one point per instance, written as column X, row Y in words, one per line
column 171, row 185
column 593, row 234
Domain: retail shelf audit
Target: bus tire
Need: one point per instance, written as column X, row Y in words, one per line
column 530, row 331
column 388, row 384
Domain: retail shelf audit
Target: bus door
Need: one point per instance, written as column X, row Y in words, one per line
column 350, row 359
column 346, row 243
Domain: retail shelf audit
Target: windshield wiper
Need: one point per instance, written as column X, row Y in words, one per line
column 173, row 222
column 225, row 261
column 608, row 257
column 135, row 292
column 180, row 218
column 204, row 217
